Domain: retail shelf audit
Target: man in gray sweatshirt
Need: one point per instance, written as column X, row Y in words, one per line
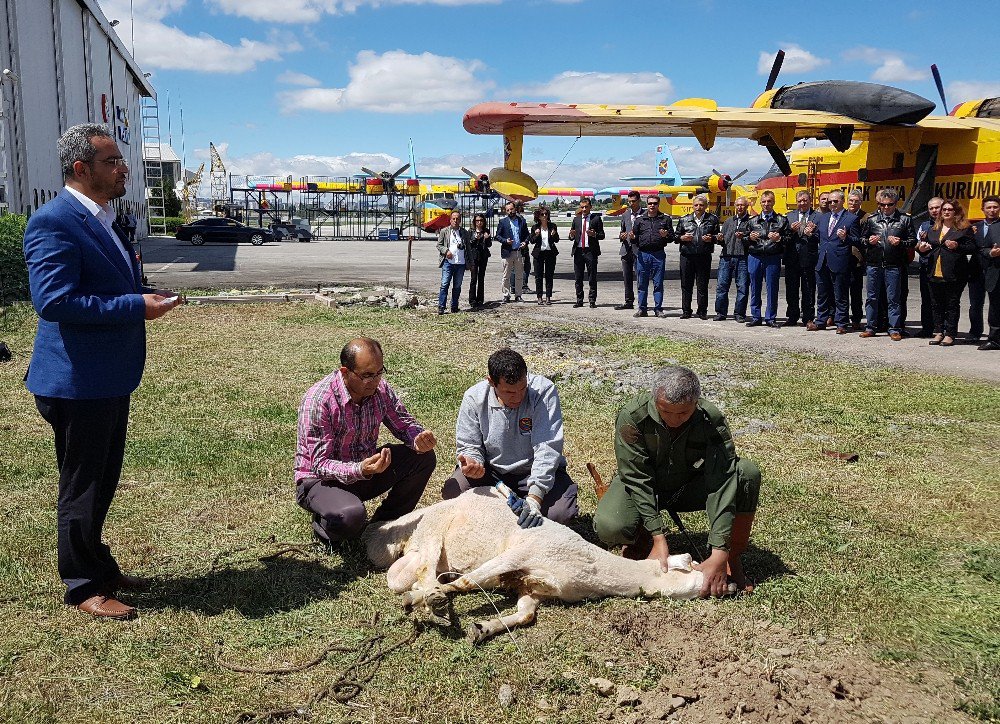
column 509, row 434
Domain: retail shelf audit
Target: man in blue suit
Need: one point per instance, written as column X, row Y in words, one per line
column 512, row 233
column 89, row 354
column 838, row 232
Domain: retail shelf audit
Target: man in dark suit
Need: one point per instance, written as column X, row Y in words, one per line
column 628, row 249
column 89, row 355
column 856, row 265
column 800, row 262
column 512, row 233
column 838, row 232
column 988, row 241
column 977, row 292
column 586, row 234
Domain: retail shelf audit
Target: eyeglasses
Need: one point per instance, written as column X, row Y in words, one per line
column 116, row 161
column 886, row 203
column 948, row 208
column 368, row 376
column 652, row 203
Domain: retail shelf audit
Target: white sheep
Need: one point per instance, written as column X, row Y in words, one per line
column 476, row 535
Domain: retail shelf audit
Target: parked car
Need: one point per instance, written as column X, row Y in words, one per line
column 217, row 229
column 295, row 229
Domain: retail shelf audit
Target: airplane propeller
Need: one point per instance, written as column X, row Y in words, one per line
column 766, row 141
column 940, row 86
column 388, row 179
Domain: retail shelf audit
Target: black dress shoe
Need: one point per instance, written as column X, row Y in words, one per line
column 641, row 313
column 789, row 323
column 773, row 323
column 719, row 318
column 593, row 305
column 755, row 323
column 624, row 306
column 702, row 316
column 686, row 315
column 577, row 304
column 988, row 346
column 740, row 318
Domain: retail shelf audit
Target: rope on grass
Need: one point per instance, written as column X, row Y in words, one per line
column 369, row 654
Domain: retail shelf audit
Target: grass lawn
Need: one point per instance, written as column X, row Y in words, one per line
column 893, row 559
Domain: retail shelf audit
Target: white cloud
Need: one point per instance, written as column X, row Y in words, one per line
column 158, row 45
column 309, row 11
column 960, row 91
column 290, row 77
column 396, row 82
column 647, row 88
column 797, row 60
column 892, row 68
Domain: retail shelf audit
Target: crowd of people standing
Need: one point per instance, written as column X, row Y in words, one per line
column 843, row 269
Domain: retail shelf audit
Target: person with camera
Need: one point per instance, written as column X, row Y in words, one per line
column 338, row 461
column 509, row 434
column 452, row 243
column 477, row 255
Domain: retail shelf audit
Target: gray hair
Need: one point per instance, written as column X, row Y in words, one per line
column 700, row 197
column 838, row 193
column 888, row 195
column 677, row 385
column 856, row 194
column 74, row 145
column 802, row 193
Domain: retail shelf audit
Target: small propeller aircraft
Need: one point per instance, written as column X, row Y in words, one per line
column 881, row 137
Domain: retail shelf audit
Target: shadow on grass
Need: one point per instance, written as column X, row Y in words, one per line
column 257, row 588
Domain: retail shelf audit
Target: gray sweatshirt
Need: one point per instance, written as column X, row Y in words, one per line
column 527, row 441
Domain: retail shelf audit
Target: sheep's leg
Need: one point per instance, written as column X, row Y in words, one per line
column 402, row 574
column 527, row 606
column 507, row 562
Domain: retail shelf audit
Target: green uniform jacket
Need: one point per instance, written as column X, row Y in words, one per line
column 656, row 470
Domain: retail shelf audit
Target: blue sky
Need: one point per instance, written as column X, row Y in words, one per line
column 325, row 86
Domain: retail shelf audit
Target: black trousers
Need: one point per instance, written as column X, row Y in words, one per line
column 994, row 316
column 695, row 267
column 628, row 278
column 90, row 446
column 585, row 263
column 856, row 290
column 477, row 277
column 947, row 302
column 926, row 302
column 800, row 290
column 545, row 270
column 977, row 300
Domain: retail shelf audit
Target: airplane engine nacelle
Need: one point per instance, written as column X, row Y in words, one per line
column 983, row 108
column 516, row 185
column 718, row 184
column 868, row 102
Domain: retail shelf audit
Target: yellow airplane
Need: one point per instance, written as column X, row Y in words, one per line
column 901, row 145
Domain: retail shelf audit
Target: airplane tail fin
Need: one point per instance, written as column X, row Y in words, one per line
column 665, row 169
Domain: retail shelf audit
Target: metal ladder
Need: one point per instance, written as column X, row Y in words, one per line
column 153, row 166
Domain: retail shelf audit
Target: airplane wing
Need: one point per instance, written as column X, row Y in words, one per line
column 700, row 118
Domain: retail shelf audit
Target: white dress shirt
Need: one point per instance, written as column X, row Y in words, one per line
column 106, row 215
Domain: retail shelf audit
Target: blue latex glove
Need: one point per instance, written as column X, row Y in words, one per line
column 527, row 511
column 531, row 514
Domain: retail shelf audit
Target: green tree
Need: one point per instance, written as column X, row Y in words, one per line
column 171, row 204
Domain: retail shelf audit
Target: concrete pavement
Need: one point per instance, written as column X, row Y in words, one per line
column 174, row 264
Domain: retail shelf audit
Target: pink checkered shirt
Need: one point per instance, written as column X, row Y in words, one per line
column 336, row 434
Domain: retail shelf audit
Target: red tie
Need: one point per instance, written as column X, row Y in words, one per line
column 583, row 235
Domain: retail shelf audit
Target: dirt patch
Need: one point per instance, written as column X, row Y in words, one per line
column 712, row 672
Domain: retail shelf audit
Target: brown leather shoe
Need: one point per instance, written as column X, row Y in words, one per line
column 841, row 330
column 867, row 334
column 128, row 583
column 107, row 607
column 813, row 327
column 896, row 337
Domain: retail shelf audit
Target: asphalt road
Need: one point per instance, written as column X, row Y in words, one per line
column 174, row 264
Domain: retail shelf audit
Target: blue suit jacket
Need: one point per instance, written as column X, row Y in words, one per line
column 91, row 340
column 506, row 236
column 833, row 251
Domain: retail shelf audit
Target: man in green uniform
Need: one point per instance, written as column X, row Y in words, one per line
column 675, row 453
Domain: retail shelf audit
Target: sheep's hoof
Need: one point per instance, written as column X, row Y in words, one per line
column 439, row 606
column 475, row 634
